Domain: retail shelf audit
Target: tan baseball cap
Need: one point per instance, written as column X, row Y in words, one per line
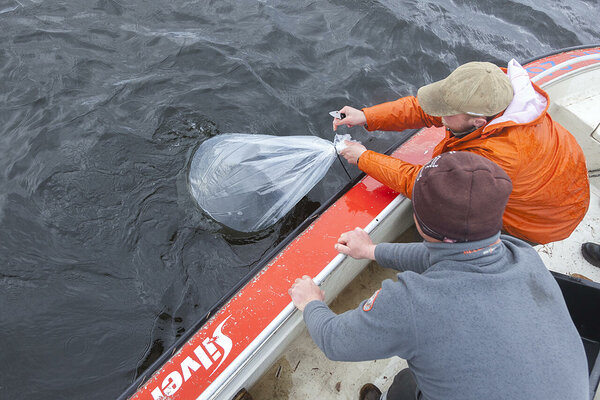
column 476, row 88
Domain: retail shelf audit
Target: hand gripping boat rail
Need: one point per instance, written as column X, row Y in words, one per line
column 228, row 374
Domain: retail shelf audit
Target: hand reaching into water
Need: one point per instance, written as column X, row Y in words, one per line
column 353, row 117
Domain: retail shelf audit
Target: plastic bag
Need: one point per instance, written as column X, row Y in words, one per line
column 248, row 182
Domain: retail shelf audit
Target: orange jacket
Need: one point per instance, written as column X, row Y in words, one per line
column 544, row 161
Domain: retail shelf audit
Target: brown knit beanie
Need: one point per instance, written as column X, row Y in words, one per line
column 460, row 196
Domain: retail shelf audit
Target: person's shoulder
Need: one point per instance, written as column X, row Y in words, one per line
column 524, row 253
column 408, row 282
column 394, row 297
column 516, row 244
column 514, row 240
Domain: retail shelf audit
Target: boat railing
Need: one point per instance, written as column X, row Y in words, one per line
column 564, row 64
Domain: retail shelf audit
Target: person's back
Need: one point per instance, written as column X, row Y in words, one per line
column 490, row 326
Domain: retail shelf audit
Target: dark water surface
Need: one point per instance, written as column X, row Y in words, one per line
column 105, row 259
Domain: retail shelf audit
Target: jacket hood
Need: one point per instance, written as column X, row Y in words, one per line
column 529, row 102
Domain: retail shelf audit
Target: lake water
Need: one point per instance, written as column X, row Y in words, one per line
column 106, row 259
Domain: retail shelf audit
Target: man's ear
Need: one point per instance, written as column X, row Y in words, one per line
column 478, row 122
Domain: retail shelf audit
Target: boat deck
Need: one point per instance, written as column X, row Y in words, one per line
column 565, row 256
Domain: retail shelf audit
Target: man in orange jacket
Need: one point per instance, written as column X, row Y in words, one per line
column 503, row 117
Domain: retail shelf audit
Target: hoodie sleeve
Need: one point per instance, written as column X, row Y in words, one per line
column 404, row 113
column 403, row 256
column 381, row 327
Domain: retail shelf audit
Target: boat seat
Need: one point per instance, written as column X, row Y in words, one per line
column 583, row 301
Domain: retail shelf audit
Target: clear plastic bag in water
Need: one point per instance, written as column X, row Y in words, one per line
column 248, row 182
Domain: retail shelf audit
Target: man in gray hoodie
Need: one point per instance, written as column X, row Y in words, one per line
column 476, row 315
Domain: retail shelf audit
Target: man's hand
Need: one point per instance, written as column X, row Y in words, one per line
column 353, row 117
column 352, row 151
column 303, row 291
column 356, row 244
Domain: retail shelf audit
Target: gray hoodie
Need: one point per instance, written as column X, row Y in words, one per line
column 476, row 320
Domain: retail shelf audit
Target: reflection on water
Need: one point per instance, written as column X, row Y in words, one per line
column 106, row 258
